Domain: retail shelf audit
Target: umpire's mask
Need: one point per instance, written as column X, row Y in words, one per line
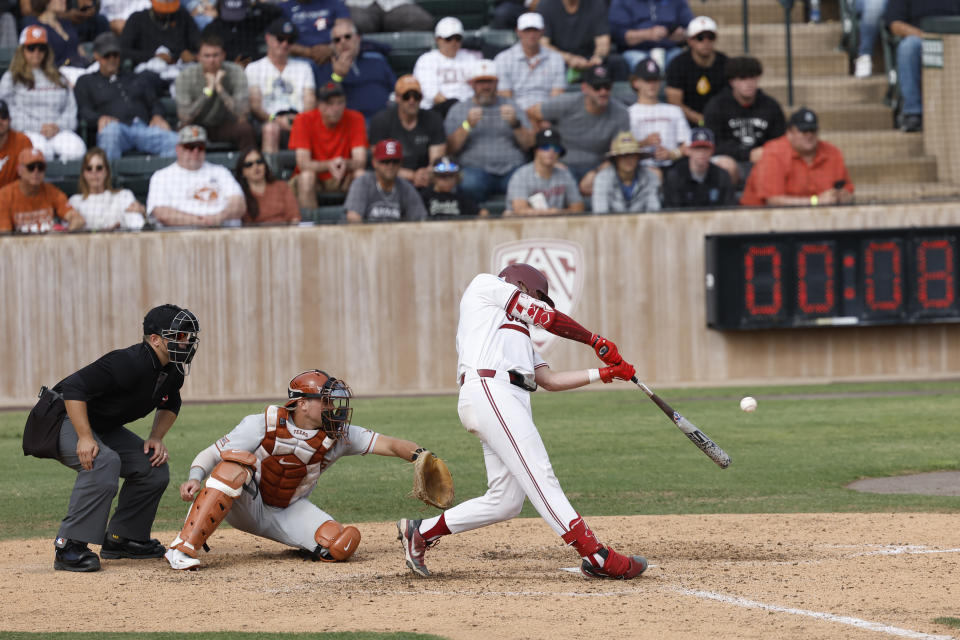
column 179, row 328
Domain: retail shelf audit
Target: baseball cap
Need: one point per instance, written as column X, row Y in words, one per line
column 283, row 28
column 106, row 42
column 530, row 20
column 647, row 70
column 4, row 110
column 598, row 76
column 406, row 83
column 166, row 6
column 447, row 27
column 34, row 34
column 329, row 90
column 446, row 166
column 804, row 120
column 551, row 137
column 701, row 24
column 159, row 318
column 30, row 155
column 483, row 69
column 233, row 10
column 192, row 133
column 702, row 137
column 389, row 149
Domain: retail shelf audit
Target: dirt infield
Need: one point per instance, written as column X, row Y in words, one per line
column 815, row 576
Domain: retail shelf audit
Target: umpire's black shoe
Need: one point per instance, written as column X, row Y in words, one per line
column 115, row 547
column 73, row 555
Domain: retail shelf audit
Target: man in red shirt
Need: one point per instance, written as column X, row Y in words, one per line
column 11, row 144
column 799, row 169
column 331, row 145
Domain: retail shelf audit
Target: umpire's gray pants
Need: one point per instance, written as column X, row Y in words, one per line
column 121, row 456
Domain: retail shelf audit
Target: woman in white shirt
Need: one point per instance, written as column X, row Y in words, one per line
column 102, row 206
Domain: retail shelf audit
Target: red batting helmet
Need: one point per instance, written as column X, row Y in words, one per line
column 531, row 278
column 319, row 384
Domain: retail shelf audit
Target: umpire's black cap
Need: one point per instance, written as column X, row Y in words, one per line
column 160, row 319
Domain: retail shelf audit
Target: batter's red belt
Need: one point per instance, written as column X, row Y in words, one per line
column 515, row 378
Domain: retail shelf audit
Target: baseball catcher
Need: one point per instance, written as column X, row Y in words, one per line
column 262, row 472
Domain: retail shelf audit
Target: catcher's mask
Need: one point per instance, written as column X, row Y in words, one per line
column 530, row 277
column 179, row 328
column 321, row 385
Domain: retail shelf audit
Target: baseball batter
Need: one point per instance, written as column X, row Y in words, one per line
column 497, row 369
column 262, row 472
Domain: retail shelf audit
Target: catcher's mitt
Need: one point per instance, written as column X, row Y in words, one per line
column 432, row 482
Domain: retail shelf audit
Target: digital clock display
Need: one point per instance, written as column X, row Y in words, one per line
column 832, row 278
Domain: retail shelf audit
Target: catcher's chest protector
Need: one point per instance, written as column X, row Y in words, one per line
column 289, row 466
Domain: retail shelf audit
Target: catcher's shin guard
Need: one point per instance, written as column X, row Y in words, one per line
column 213, row 503
column 337, row 542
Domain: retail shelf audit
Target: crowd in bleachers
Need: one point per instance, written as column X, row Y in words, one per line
column 147, row 113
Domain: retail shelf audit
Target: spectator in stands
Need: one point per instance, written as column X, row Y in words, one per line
column 420, row 131
column 697, row 74
column 123, row 106
column 203, row 12
column 541, row 187
column 192, row 191
column 443, row 200
column 871, row 13
column 530, row 73
column 280, row 86
column 117, row 12
column 241, row 26
column 587, row 121
column 654, row 123
column 488, row 134
column 694, row 181
column 799, row 169
column 743, row 118
column 268, row 200
column 365, row 75
column 314, row 19
column 214, row 95
column 11, row 144
column 62, row 37
column 160, row 39
column 102, row 206
column 30, row 205
column 374, row 16
column 903, row 19
column 624, row 184
column 444, row 72
column 645, row 29
column 382, row 196
column 8, row 23
column 331, row 145
column 83, row 16
column 41, row 101
column 579, row 31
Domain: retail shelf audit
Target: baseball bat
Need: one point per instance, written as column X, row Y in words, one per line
column 697, row 437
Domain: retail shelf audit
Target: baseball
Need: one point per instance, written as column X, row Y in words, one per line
column 748, row 404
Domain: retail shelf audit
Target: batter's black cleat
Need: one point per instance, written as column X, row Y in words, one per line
column 73, row 555
column 616, row 566
column 115, row 547
column 414, row 546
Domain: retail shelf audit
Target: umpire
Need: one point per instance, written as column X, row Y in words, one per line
column 120, row 387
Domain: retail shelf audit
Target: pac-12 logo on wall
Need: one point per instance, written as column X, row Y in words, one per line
column 561, row 261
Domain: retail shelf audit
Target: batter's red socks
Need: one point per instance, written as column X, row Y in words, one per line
column 432, row 529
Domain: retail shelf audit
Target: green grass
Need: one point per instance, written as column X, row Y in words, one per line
column 614, row 452
column 949, row 621
column 226, row 635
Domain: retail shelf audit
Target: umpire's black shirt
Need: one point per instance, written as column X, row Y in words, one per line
column 123, row 386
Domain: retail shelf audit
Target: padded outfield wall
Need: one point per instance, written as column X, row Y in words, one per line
column 378, row 304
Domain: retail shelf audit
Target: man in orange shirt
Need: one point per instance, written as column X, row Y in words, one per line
column 11, row 144
column 799, row 169
column 331, row 146
column 30, row 204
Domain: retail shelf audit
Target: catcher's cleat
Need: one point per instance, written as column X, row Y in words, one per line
column 73, row 555
column 414, row 546
column 179, row 560
column 115, row 547
column 616, row 566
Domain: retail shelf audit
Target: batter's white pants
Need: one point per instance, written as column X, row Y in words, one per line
column 294, row 525
column 517, row 463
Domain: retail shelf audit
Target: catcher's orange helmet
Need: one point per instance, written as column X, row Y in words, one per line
column 321, row 385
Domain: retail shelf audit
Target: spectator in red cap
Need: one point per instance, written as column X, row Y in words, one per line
column 11, row 144
column 31, row 205
column 381, row 196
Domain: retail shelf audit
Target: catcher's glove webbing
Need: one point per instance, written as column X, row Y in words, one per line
column 432, row 482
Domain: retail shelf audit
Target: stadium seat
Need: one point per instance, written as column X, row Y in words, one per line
column 405, row 47
column 227, row 159
column 282, row 163
column 328, row 214
column 6, row 56
column 496, row 206
column 495, row 40
column 472, row 13
column 134, row 172
column 64, row 175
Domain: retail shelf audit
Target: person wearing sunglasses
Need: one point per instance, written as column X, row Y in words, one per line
column 649, row 29
column 697, row 74
column 280, row 86
column 41, row 100
column 444, row 72
column 102, row 206
column 361, row 70
column 268, row 200
column 544, row 187
column 420, row 131
column 381, row 196
column 62, row 37
column 314, row 19
column 32, row 205
column 11, row 144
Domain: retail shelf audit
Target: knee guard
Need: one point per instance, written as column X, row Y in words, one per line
column 582, row 538
column 337, row 542
column 213, row 503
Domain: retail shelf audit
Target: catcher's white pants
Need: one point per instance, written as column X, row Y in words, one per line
column 294, row 525
column 517, row 463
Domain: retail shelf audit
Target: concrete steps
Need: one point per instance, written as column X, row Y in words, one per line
column 823, row 91
column 906, row 192
column 856, row 117
column 893, row 170
column 871, row 145
column 770, row 39
column 759, row 11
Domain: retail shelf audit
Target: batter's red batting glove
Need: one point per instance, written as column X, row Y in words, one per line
column 622, row 371
column 605, row 350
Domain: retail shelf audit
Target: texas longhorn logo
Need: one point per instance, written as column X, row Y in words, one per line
column 561, row 261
